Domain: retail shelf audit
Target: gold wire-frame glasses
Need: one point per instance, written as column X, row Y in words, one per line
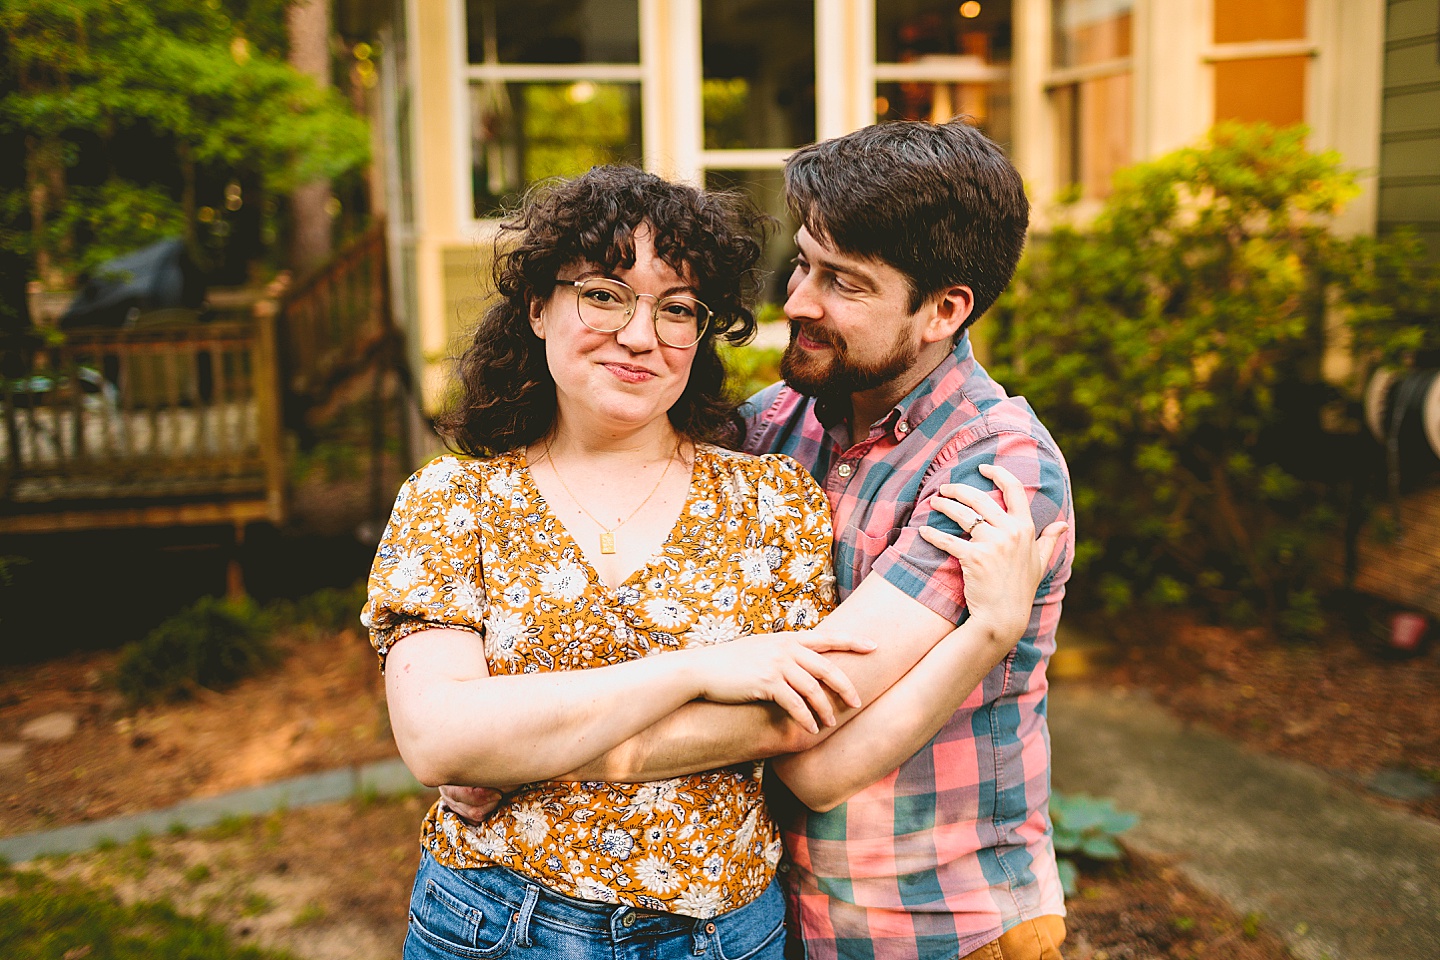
column 606, row 306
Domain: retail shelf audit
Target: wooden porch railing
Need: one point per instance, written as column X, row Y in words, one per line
column 335, row 320
column 152, row 426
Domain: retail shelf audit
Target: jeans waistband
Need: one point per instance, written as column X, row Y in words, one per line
column 530, row 901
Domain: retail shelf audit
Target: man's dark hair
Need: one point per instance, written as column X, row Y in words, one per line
column 941, row 203
column 507, row 396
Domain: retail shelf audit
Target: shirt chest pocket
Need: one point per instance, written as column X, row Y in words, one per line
column 867, row 550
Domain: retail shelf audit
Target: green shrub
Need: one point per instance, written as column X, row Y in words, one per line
column 1085, row 829
column 211, row 644
column 1174, row 349
column 749, row 369
column 326, row 611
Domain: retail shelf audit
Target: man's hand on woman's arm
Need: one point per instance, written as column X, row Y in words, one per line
column 1003, row 564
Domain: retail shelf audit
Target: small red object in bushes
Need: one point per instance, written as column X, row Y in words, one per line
column 1407, row 630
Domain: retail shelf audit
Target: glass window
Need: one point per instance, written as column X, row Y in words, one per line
column 554, row 90
column 954, row 58
column 758, row 86
column 524, row 132
column 1093, row 113
column 907, row 31
column 553, row 31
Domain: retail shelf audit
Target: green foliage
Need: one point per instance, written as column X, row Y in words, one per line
column 1085, row 829
column 1394, row 296
column 215, row 643
column 87, row 74
column 41, row 919
column 324, row 612
column 211, row 644
column 1174, row 348
column 749, row 368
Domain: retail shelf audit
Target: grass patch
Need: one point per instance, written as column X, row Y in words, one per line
column 43, row 919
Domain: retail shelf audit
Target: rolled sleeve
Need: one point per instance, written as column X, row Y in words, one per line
column 929, row 574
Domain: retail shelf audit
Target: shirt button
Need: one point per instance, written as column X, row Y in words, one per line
column 844, row 469
column 903, row 427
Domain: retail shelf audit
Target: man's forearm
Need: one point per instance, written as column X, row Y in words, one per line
column 699, row 736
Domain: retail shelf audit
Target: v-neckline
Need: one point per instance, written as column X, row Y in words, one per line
column 592, row 572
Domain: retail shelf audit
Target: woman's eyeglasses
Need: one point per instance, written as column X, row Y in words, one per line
column 606, row 306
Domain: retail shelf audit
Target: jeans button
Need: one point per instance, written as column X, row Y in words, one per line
column 629, row 920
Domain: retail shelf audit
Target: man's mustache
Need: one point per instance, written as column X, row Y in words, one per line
column 819, row 335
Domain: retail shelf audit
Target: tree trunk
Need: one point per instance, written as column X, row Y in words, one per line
column 308, row 24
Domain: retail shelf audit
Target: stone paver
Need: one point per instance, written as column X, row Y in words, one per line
column 51, row 727
column 1334, row 872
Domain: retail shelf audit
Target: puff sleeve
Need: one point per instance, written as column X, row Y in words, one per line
column 427, row 570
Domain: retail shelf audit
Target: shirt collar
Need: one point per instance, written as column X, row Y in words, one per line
column 911, row 411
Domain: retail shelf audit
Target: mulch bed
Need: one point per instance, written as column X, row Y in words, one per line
column 1338, row 703
column 322, row 708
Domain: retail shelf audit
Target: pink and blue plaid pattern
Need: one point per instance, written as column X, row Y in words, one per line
column 954, row 848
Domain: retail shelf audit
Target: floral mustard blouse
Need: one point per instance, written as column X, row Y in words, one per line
column 472, row 544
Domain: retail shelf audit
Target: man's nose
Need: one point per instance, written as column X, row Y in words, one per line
column 801, row 302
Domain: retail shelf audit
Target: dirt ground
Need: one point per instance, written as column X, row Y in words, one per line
column 1337, row 704
column 295, row 881
column 323, row 708
column 332, row 882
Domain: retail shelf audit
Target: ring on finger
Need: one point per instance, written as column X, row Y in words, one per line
column 978, row 520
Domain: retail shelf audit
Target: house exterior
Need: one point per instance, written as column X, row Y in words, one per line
column 480, row 98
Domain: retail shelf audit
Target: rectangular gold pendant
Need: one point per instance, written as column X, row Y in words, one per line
column 607, row 543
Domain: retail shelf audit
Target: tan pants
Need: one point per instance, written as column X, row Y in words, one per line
column 1037, row 939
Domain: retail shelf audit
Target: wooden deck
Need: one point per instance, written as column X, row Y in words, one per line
column 148, row 427
column 185, row 423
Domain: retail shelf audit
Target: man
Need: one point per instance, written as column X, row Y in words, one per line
column 926, row 833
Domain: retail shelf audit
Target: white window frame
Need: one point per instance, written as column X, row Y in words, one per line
column 469, row 74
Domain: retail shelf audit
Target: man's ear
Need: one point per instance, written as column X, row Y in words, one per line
column 952, row 309
column 537, row 316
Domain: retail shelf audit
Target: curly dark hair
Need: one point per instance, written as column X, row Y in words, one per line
column 507, row 396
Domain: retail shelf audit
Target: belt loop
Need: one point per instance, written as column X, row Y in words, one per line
column 527, row 910
column 699, row 932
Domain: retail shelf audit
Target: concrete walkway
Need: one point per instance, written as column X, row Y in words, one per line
column 384, row 778
column 1336, row 874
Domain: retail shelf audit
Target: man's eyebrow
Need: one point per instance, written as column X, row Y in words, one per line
column 849, row 270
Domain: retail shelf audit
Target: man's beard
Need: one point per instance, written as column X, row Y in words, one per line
column 839, row 376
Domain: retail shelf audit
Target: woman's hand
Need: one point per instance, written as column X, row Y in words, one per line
column 784, row 667
column 1003, row 563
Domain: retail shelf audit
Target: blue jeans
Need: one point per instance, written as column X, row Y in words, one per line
column 494, row 912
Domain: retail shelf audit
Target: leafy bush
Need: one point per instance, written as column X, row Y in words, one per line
column 750, row 368
column 1085, row 827
column 1174, row 348
column 325, row 611
column 211, row 644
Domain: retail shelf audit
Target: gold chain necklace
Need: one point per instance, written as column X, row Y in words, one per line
column 607, row 534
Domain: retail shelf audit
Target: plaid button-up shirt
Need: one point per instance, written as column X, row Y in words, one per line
column 949, row 851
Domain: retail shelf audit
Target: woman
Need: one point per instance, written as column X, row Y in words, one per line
column 517, row 599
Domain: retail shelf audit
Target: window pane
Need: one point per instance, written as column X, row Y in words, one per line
column 1090, row 31
column 1237, row 21
column 523, row 132
column 553, row 31
column 1093, row 140
column 759, row 73
column 911, row 30
column 1271, row 89
column 986, row 104
column 766, row 188
column 944, row 34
